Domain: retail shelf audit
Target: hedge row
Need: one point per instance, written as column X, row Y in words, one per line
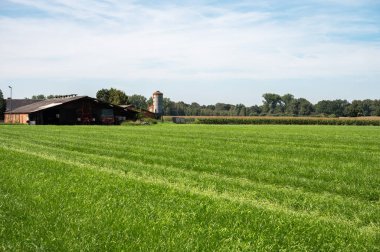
column 299, row 121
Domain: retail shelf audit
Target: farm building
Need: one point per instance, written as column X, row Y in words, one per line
column 68, row 111
column 12, row 104
column 144, row 112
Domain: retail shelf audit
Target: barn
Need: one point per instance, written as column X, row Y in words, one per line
column 143, row 112
column 69, row 110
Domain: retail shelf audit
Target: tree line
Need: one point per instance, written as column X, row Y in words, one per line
column 277, row 105
column 272, row 104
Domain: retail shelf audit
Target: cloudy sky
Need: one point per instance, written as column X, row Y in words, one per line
column 202, row 51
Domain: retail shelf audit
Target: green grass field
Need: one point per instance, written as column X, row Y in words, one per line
column 190, row 187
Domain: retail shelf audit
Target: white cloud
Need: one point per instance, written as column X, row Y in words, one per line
column 124, row 40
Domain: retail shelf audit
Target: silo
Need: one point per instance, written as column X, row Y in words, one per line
column 158, row 103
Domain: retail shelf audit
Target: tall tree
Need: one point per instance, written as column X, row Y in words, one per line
column 138, row 101
column 3, row 105
column 239, row 110
column 169, row 108
column 254, row 110
column 305, row 107
column 271, row 102
column 195, row 109
column 112, row 95
column 375, row 108
column 367, row 107
column 117, row 97
column 287, row 100
column 335, row 107
column 103, row 95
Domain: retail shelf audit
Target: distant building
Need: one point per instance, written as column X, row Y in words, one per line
column 158, row 104
column 68, row 111
column 144, row 112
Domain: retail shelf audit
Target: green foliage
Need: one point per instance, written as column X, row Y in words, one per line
column 112, row 95
column 299, row 106
column 219, row 109
column 150, row 120
column 189, row 188
column 3, row 105
column 287, row 99
column 103, row 95
column 276, row 105
column 138, row 101
column 150, row 101
column 363, row 108
column 272, row 103
column 131, row 123
column 287, row 120
column 141, row 121
column 335, row 107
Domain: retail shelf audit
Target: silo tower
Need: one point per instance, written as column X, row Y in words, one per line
column 158, row 103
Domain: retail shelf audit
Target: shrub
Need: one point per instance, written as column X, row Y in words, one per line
column 131, row 123
column 287, row 120
column 150, row 121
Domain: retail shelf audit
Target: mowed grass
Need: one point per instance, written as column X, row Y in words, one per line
column 190, row 187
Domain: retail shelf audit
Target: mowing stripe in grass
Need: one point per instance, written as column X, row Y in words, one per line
column 269, row 175
column 263, row 187
column 192, row 182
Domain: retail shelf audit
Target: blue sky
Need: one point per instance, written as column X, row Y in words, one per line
column 202, row 51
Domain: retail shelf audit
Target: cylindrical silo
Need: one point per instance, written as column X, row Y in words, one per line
column 158, row 103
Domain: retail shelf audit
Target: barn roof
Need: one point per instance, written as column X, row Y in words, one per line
column 16, row 103
column 44, row 104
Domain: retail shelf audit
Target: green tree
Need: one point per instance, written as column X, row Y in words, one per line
column 150, row 101
column 305, row 107
column 375, row 108
column 240, row 110
column 272, row 103
column 180, row 108
column 354, row 109
column 254, row 110
column 293, row 108
column 243, row 111
column 335, row 107
column 195, row 109
column 222, row 107
column 3, row 105
column 367, row 107
column 103, row 95
column 118, row 97
column 169, row 106
column 287, row 100
column 113, row 95
column 138, row 101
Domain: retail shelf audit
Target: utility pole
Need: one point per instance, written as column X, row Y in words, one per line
column 10, row 109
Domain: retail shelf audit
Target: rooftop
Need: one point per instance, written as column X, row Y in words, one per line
column 157, row 93
column 43, row 104
column 16, row 103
